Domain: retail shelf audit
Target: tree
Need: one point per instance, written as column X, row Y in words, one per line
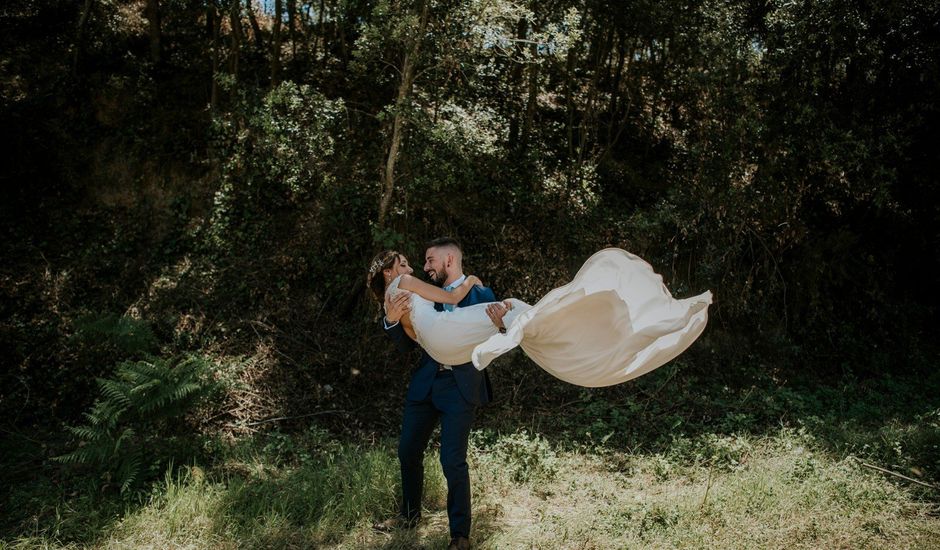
column 399, row 119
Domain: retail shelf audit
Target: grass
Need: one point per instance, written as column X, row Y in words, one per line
column 767, row 467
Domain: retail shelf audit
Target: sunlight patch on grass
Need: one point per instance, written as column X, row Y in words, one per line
column 782, row 494
column 184, row 514
column 714, row 491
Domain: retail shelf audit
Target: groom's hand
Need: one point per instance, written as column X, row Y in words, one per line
column 397, row 307
column 496, row 311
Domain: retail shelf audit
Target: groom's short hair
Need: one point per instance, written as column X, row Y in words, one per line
column 445, row 242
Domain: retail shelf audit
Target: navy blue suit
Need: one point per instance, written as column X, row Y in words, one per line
column 453, row 397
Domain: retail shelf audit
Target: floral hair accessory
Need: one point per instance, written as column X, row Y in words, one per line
column 379, row 262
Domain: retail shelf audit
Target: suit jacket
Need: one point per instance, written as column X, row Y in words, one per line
column 474, row 385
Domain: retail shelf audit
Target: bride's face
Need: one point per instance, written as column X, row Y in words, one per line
column 401, row 267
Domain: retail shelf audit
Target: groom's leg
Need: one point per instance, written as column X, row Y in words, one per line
column 456, row 417
column 418, row 422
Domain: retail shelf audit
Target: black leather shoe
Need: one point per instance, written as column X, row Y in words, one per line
column 459, row 543
column 395, row 523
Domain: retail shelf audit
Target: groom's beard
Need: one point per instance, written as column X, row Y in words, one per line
column 437, row 277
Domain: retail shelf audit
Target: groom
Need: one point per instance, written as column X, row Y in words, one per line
column 449, row 393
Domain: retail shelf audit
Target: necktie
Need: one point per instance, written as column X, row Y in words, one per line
column 449, row 307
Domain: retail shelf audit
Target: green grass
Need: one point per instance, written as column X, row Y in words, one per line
column 781, row 490
column 760, row 466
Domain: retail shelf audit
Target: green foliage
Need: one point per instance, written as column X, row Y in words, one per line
column 777, row 153
column 529, row 458
column 385, row 237
column 110, row 334
column 141, row 406
column 275, row 152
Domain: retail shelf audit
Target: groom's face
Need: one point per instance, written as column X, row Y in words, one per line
column 435, row 265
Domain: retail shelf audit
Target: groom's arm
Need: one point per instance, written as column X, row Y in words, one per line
column 479, row 295
column 394, row 310
column 495, row 311
column 403, row 343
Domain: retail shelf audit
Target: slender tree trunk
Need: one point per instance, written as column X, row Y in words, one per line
column 341, row 35
column 623, row 105
column 292, row 26
column 515, row 75
column 532, row 99
column 318, row 35
column 398, row 125
column 569, row 98
column 215, row 24
column 80, row 37
column 235, row 18
column 276, row 45
column 255, row 27
column 589, row 119
column 152, row 12
column 615, row 89
column 305, row 22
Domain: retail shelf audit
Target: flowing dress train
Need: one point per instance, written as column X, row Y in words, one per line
column 613, row 322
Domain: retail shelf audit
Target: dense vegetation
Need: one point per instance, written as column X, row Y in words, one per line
column 194, row 189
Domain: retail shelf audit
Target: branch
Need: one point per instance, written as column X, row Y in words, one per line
column 902, row 476
column 265, row 421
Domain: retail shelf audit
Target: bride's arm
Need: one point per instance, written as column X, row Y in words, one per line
column 435, row 294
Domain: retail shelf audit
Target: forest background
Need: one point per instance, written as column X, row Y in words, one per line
column 193, row 191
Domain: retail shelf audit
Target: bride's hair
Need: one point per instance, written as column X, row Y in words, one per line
column 375, row 280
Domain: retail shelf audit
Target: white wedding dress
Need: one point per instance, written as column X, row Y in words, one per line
column 613, row 322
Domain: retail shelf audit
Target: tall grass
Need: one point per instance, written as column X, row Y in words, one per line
column 757, row 466
column 312, row 491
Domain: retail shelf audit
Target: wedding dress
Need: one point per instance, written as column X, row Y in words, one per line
column 613, row 322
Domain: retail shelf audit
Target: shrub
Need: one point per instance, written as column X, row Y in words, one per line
column 113, row 334
column 530, row 458
column 137, row 415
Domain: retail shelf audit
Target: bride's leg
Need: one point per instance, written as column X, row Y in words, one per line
column 409, row 329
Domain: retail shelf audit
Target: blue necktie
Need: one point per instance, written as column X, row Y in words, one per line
column 449, row 307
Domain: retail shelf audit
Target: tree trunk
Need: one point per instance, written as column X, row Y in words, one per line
column 215, row 24
column 80, row 37
column 569, row 98
column 588, row 121
column 615, row 90
column 318, row 35
column 515, row 75
column 255, row 27
column 292, row 26
column 531, row 100
column 398, row 125
column 276, row 45
column 341, row 36
column 305, row 22
column 623, row 105
column 152, row 12
column 235, row 18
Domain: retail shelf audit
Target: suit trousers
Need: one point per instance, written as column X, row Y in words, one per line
column 444, row 403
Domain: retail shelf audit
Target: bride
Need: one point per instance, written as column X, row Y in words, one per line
column 613, row 322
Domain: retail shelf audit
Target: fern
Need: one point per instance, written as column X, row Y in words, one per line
column 135, row 411
column 125, row 335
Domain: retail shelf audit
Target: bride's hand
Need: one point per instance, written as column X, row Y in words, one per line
column 397, row 307
column 474, row 280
